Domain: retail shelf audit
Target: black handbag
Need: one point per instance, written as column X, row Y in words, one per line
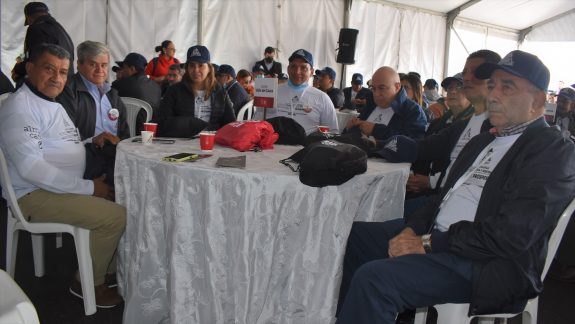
column 327, row 163
column 290, row 132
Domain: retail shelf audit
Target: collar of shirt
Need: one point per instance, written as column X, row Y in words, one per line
column 94, row 89
column 297, row 87
column 512, row 130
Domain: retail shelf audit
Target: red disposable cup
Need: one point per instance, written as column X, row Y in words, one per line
column 323, row 129
column 151, row 127
column 207, row 141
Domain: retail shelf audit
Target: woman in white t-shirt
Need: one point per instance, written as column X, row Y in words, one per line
column 198, row 102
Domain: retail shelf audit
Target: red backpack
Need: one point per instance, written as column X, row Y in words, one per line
column 246, row 135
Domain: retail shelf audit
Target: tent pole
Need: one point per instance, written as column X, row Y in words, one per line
column 200, row 38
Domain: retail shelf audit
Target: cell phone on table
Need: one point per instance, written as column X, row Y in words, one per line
column 180, row 157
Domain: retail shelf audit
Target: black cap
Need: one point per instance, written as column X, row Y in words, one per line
column 357, row 78
column 133, row 59
column 447, row 81
column 431, row 83
column 34, row 7
column 521, row 64
column 398, row 148
column 567, row 93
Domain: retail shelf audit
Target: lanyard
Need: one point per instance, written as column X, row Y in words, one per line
column 486, row 153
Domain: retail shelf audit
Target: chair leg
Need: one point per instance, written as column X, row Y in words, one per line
column 82, row 242
column 59, row 240
column 529, row 315
column 420, row 315
column 38, row 252
column 11, row 245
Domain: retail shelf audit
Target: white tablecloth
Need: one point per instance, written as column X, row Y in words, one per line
column 219, row 245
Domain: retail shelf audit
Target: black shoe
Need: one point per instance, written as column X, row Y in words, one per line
column 105, row 297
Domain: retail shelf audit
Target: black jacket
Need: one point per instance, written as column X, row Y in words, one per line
column 81, row 108
column 434, row 151
column 274, row 72
column 45, row 29
column 362, row 94
column 518, row 209
column 140, row 87
column 336, row 96
column 238, row 95
column 176, row 115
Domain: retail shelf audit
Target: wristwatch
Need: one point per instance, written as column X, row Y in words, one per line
column 426, row 240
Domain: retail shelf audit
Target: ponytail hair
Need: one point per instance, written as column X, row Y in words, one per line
column 160, row 47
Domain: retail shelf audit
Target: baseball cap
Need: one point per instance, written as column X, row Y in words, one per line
column 430, row 83
column 227, row 69
column 32, row 8
column 521, row 64
column 302, row 54
column 198, row 53
column 133, row 59
column 398, row 149
column 447, row 81
column 567, row 93
column 357, row 78
column 329, row 71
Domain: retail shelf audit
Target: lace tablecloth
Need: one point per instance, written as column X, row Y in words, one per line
column 254, row 245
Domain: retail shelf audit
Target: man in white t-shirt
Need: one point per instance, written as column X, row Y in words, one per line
column 437, row 151
column 46, row 160
column 308, row 106
column 484, row 238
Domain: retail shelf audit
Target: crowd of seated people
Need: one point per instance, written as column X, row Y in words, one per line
column 477, row 202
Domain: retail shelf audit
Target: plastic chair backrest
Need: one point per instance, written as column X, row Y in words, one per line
column 15, row 307
column 8, row 191
column 133, row 106
column 248, row 107
column 556, row 236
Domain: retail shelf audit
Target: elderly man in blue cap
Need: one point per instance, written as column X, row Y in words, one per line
column 226, row 76
column 483, row 239
column 308, row 106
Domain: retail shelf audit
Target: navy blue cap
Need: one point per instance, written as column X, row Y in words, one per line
column 431, row 83
column 329, row 71
column 567, row 93
column 521, row 64
column 398, row 148
column 227, row 69
column 447, row 81
column 198, row 53
column 357, row 78
column 302, row 54
column 133, row 59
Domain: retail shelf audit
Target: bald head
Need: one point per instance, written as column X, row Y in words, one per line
column 386, row 85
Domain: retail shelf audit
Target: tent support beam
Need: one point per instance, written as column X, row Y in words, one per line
column 200, row 21
column 525, row 31
column 448, row 26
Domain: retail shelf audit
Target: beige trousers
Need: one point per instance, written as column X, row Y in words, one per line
column 106, row 221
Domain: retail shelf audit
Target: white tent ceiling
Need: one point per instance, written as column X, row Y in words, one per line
column 512, row 14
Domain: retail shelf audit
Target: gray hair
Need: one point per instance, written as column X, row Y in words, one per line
column 53, row 49
column 90, row 49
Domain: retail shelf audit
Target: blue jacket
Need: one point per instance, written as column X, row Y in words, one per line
column 408, row 118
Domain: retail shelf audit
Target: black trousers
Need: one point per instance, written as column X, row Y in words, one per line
column 375, row 288
column 100, row 161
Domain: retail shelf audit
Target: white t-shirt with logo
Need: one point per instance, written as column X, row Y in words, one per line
column 309, row 106
column 463, row 199
column 381, row 115
column 42, row 146
column 202, row 108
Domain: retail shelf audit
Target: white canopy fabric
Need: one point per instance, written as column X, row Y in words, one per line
column 405, row 34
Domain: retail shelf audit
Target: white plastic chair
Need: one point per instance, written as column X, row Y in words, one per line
column 17, row 222
column 133, row 106
column 457, row 313
column 15, row 307
column 249, row 108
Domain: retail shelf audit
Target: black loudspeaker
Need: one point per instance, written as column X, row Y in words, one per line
column 347, row 38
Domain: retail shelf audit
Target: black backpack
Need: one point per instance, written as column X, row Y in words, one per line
column 290, row 131
column 327, row 163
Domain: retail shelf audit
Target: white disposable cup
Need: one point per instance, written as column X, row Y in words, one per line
column 147, row 137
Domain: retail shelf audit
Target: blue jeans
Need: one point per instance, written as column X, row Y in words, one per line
column 375, row 288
